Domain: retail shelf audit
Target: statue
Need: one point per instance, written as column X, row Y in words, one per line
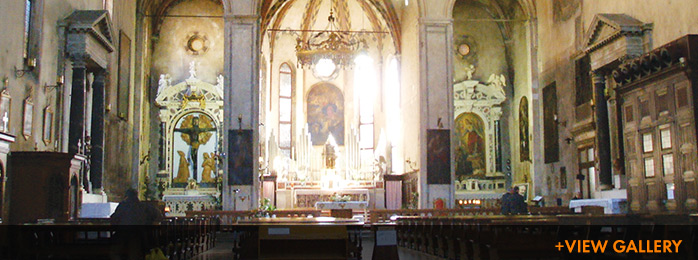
column 330, row 155
column 195, row 135
column 469, row 72
column 209, row 165
column 183, row 171
column 192, row 70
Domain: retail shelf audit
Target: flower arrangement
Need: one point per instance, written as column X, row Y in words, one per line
column 337, row 198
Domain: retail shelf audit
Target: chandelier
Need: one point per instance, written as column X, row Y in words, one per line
column 327, row 50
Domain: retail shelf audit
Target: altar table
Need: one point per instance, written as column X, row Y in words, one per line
column 362, row 205
column 610, row 206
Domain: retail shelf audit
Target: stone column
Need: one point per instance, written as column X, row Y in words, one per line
column 97, row 132
column 241, row 110
column 436, row 101
column 76, row 128
column 603, row 137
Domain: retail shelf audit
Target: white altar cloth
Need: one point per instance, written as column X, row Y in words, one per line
column 97, row 210
column 610, row 206
column 341, row 205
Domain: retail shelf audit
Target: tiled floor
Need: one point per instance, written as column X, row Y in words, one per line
column 224, row 245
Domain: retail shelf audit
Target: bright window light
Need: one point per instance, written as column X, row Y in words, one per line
column 325, row 68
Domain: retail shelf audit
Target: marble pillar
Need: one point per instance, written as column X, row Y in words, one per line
column 97, row 132
column 603, row 137
column 77, row 106
column 436, row 100
column 241, row 96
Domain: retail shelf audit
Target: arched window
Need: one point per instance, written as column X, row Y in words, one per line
column 365, row 82
column 285, row 108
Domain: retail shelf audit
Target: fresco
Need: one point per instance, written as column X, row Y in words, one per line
column 470, row 150
column 325, row 108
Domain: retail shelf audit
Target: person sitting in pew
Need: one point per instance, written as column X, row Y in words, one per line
column 513, row 203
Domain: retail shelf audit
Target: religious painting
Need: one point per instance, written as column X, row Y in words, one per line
column 438, row 156
column 563, row 178
column 325, row 108
column 550, row 121
column 195, row 149
column 122, row 100
column 28, row 118
column 470, row 150
column 48, row 125
column 523, row 130
column 240, row 164
column 5, row 101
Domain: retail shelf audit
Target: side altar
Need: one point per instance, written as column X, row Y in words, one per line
column 191, row 120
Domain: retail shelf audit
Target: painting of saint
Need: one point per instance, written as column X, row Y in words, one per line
column 240, row 163
column 325, row 108
column 523, row 130
column 438, row 156
column 470, row 152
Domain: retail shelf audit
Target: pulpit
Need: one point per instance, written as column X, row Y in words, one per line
column 43, row 185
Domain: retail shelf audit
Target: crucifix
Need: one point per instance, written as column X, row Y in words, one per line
column 194, row 140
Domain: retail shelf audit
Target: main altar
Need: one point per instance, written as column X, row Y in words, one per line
column 321, row 173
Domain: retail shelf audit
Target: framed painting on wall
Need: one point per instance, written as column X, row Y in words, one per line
column 240, row 164
column 48, row 125
column 438, row 156
column 124, row 80
column 28, row 118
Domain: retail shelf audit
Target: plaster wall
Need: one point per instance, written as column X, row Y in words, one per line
column 170, row 55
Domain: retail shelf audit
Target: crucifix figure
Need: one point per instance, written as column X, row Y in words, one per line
column 195, row 135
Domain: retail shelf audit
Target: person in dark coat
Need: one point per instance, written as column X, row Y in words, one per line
column 519, row 205
column 513, row 203
column 506, row 202
column 132, row 211
column 132, row 239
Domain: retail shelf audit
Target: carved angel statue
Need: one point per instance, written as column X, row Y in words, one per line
column 498, row 82
column 469, row 70
column 164, row 82
column 192, row 70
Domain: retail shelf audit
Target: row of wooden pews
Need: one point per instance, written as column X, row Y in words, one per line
column 535, row 236
column 177, row 238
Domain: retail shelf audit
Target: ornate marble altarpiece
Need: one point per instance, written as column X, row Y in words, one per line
column 191, row 116
column 473, row 99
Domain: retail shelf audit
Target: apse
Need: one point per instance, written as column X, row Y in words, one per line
column 328, row 92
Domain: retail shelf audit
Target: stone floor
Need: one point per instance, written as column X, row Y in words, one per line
column 225, row 240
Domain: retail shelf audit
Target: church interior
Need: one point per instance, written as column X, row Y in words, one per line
column 361, row 110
